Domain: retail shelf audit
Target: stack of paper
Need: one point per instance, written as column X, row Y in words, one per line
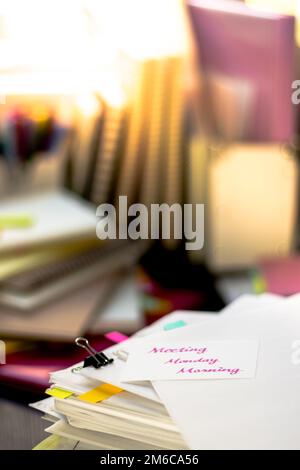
column 191, row 380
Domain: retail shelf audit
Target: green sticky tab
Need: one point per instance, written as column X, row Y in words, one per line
column 176, row 324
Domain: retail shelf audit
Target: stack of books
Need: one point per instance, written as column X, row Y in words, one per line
column 240, row 389
column 55, row 273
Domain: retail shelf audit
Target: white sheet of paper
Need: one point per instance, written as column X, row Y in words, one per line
column 260, row 413
column 150, row 359
column 113, row 375
column 247, row 302
column 66, row 378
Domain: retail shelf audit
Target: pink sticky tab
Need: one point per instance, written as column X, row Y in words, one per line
column 116, row 336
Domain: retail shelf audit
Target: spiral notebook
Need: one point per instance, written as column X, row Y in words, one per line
column 34, row 288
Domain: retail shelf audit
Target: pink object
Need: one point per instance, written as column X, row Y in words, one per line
column 241, row 43
column 282, row 275
column 116, row 336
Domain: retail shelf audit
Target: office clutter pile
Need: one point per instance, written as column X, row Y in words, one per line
column 190, row 380
column 55, row 274
column 59, row 281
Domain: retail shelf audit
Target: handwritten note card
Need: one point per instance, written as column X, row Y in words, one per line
column 161, row 360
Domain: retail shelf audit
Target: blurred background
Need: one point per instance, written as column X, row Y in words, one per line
column 164, row 101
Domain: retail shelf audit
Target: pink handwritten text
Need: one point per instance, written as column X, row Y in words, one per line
column 178, row 360
column 192, row 370
column 177, row 350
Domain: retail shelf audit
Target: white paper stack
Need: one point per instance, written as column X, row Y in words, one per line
column 243, row 391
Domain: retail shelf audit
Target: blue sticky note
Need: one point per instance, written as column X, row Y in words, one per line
column 176, row 324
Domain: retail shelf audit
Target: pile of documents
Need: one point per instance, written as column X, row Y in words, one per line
column 54, row 271
column 189, row 381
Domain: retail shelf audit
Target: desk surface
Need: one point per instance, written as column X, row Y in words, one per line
column 21, row 427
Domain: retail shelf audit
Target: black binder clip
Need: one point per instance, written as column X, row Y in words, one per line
column 96, row 359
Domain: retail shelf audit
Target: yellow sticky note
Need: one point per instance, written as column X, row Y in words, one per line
column 259, row 284
column 100, row 393
column 58, row 392
column 50, row 443
column 13, row 221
